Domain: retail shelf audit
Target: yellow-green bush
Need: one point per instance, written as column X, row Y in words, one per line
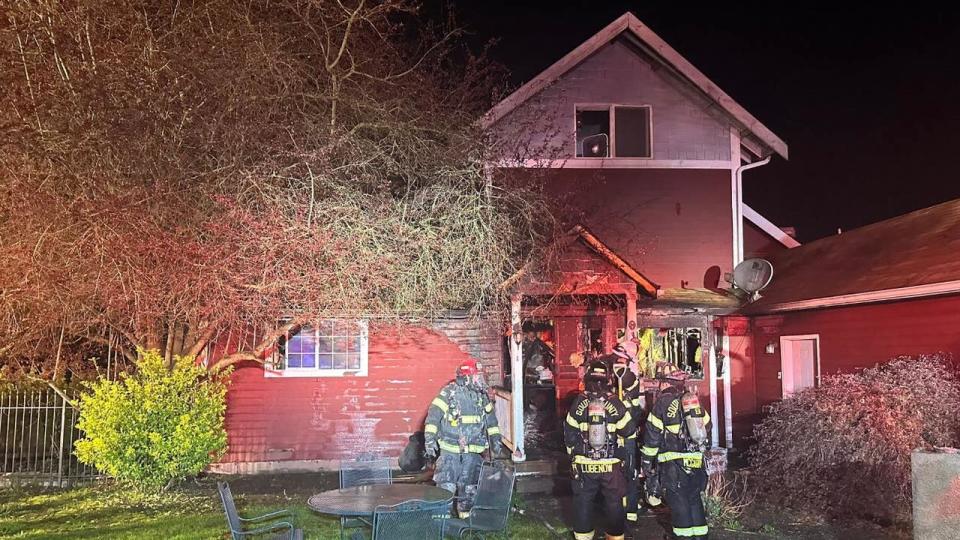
column 155, row 426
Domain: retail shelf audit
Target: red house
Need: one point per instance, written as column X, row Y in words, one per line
column 650, row 154
column 851, row 301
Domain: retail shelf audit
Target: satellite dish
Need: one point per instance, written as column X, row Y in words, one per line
column 752, row 275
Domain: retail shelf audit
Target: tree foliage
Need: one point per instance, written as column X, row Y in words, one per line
column 170, row 171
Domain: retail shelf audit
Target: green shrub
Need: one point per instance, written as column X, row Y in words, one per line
column 156, row 426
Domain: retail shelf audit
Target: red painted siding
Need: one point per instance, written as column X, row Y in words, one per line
column 670, row 224
column 334, row 418
column 858, row 336
column 757, row 243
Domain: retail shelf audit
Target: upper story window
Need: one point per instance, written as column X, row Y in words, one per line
column 330, row 348
column 613, row 131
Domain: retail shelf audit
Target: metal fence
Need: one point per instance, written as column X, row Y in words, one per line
column 37, row 432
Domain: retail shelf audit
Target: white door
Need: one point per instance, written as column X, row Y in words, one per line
column 799, row 362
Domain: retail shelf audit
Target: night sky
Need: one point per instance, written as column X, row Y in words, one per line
column 868, row 99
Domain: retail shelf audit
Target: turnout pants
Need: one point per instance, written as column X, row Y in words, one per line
column 683, row 497
column 586, row 485
column 459, row 474
column 631, row 495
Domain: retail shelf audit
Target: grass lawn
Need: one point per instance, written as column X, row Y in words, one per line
column 194, row 512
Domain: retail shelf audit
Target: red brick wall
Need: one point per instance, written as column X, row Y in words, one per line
column 333, row 418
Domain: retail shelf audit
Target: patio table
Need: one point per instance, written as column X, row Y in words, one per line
column 361, row 501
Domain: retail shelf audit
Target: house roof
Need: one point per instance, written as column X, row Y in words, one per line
column 909, row 256
column 656, row 47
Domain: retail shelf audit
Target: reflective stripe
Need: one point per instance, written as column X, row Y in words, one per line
column 470, row 419
column 675, row 429
column 632, row 435
column 624, row 421
column 650, row 451
column 441, row 404
column 602, row 461
column 429, row 428
column 611, row 428
column 706, row 417
column 687, row 532
column 693, row 460
column 471, row 448
column 595, row 468
column 632, row 516
column 572, row 421
column 495, row 430
column 489, row 407
column 569, row 449
column 657, row 423
column 583, row 536
column 636, row 402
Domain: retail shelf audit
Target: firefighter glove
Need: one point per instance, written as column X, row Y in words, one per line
column 431, row 451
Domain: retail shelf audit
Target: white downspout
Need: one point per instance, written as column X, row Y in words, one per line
column 725, row 344
column 738, row 208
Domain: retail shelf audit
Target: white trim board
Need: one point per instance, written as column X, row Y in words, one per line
column 628, row 21
column 885, row 295
column 610, row 163
column 768, row 227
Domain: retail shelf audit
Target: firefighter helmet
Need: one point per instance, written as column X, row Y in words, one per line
column 622, row 353
column 597, row 376
column 468, row 368
column 670, row 372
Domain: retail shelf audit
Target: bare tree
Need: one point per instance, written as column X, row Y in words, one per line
column 171, row 172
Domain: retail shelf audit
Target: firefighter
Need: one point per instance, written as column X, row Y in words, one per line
column 629, row 392
column 462, row 423
column 596, row 425
column 674, row 439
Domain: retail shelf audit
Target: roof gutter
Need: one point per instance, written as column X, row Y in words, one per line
column 738, row 208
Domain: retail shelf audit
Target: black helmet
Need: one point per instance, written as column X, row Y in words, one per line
column 597, row 377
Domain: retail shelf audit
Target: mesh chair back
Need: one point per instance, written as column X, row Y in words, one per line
column 229, row 508
column 410, row 519
column 494, row 494
column 364, row 473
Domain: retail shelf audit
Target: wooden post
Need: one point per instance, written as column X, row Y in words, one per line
column 727, row 395
column 516, row 378
column 712, row 374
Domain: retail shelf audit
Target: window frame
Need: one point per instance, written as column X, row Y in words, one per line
column 612, row 138
column 283, row 371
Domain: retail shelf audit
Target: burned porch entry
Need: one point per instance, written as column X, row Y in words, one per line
column 567, row 332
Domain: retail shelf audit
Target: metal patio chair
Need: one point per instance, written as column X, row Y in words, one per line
column 422, row 520
column 281, row 529
column 364, row 471
column 491, row 507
